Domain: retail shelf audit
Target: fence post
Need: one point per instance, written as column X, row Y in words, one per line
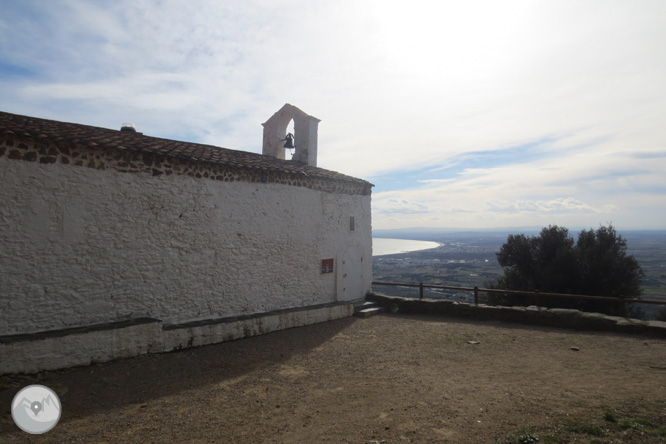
column 621, row 307
column 535, row 298
column 476, row 295
column 420, row 290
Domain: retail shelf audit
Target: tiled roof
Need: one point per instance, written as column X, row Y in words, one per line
column 95, row 137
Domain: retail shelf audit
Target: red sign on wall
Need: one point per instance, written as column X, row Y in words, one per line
column 326, row 266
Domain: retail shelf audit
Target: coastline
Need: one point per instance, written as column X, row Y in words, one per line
column 387, row 246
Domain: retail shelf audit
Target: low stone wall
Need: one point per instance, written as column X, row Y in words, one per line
column 52, row 350
column 197, row 333
column 533, row 315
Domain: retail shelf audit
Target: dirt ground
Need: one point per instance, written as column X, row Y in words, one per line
column 389, row 378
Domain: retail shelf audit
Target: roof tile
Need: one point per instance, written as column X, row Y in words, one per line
column 103, row 138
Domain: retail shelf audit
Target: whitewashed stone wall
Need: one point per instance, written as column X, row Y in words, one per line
column 83, row 246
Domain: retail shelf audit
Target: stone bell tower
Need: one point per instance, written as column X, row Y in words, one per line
column 305, row 135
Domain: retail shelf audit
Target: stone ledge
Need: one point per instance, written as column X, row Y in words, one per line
column 226, row 320
column 57, row 349
column 9, row 339
column 532, row 315
column 194, row 334
column 84, row 346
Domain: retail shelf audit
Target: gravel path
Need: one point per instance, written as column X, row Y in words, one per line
column 397, row 379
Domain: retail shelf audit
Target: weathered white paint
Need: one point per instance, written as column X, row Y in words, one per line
column 305, row 135
column 83, row 246
column 348, row 277
column 193, row 336
column 82, row 348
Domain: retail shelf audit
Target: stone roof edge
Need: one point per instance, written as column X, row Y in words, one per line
column 287, row 168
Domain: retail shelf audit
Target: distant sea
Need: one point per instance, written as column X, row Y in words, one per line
column 383, row 246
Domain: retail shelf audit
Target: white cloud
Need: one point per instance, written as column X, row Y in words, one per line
column 393, row 206
column 584, row 188
column 398, row 86
column 558, row 205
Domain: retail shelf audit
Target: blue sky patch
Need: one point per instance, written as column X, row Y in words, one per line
column 453, row 167
column 11, row 71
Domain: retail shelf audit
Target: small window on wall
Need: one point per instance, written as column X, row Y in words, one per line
column 352, row 223
column 326, row 266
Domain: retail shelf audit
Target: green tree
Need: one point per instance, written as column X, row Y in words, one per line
column 596, row 265
column 604, row 267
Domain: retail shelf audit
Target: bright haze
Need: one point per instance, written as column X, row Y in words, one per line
column 462, row 113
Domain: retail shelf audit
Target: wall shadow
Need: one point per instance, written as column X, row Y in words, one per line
column 96, row 388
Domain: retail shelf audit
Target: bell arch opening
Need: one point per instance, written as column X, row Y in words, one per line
column 289, row 152
column 303, row 129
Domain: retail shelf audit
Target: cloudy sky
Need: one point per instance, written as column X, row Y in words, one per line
column 462, row 113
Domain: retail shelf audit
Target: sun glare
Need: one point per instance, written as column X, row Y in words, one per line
column 450, row 41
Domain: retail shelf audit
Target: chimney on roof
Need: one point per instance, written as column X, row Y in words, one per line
column 304, row 138
column 127, row 128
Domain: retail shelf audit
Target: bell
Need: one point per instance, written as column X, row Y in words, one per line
column 289, row 141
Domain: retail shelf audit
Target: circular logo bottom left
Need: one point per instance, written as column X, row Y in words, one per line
column 36, row 409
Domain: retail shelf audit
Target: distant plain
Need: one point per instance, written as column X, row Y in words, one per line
column 468, row 259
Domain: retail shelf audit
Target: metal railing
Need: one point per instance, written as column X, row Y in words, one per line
column 536, row 294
